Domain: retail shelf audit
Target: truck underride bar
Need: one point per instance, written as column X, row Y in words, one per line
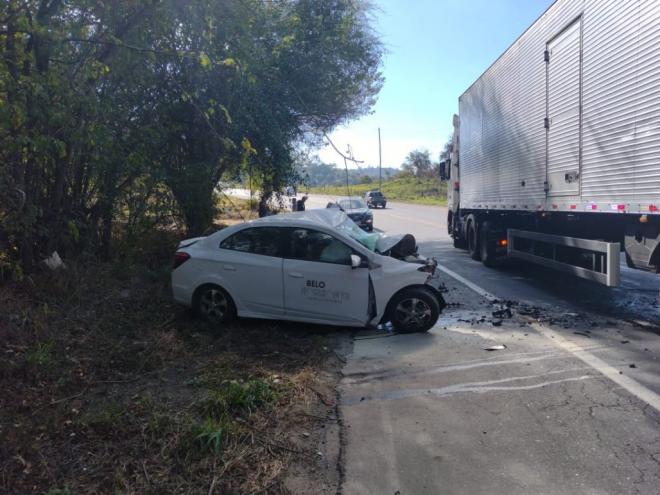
column 605, row 271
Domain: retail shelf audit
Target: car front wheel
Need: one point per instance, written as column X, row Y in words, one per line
column 414, row 310
column 213, row 304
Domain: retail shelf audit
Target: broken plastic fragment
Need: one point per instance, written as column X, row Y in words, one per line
column 497, row 347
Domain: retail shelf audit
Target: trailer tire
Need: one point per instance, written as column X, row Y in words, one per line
column 471, row 231
column 487, row 248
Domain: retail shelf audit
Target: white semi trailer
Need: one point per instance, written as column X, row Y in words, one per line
column 556, row 155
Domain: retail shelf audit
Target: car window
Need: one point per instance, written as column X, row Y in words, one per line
column 258, row 240
column 312, row 245
column 350, row 204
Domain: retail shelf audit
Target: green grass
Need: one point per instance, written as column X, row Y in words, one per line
column 213, row 435
column 236, row 397
column 41, row 354
column 427, row 191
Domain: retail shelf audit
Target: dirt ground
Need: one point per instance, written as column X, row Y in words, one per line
column 107, row 387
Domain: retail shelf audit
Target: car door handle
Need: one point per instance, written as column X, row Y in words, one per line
column 295, row 275
column 229, row 268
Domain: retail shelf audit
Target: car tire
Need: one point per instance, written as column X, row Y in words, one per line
column 412, row 310
column 472, row 238
column 213, row 304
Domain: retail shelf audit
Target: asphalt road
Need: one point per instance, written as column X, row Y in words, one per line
column 571, row 404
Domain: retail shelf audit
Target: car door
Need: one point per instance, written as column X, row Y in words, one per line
column 251, row 262
column 319, row 283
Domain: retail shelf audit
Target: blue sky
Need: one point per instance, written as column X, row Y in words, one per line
column 435, row 51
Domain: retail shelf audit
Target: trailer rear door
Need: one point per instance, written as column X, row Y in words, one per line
column 564, row 107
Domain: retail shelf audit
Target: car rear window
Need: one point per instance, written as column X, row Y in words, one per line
column 351, row 204
column 265, row 241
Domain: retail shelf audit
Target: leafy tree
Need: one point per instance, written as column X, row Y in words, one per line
column 124, row 115
column 418, row 163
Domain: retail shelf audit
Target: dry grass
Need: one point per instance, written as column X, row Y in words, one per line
column 109, row 387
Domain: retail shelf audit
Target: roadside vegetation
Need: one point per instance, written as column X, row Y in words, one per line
column 118, row 122
column 408, row 189
column 120, row 118
column 108, row 387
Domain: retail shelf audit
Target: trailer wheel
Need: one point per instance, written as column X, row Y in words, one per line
column 487, row 248
column 472, row 238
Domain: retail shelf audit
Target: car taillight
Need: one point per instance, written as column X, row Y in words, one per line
column 179, row 259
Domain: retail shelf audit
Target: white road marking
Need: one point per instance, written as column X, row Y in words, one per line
column 632, row 386
column 464, row 281
column 471, row 387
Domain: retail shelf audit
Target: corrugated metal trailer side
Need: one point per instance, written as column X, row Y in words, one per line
column 568, row 118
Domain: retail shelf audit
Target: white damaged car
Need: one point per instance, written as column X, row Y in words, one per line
column 315, row 266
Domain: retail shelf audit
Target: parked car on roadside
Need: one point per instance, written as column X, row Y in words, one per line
column 374, row 199
column 357, row 210
column 315, row 266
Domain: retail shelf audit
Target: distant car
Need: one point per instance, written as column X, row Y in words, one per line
column 374, row 199
column 357, row 210
column 312, row 266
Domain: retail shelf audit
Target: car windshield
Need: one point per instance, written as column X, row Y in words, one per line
column 351, row 203
column 376, row 193
column 368, row 240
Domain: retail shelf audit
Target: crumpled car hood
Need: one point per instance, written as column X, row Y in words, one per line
column 387, row 242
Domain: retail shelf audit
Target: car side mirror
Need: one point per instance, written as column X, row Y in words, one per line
column 356, row 261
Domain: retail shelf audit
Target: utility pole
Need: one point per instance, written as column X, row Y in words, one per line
column 380, row 164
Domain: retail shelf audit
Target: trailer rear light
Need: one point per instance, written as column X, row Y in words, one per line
column 179, row 259
column 573, row 207
column 503, row 243
column 653, row 208
column 456, row 185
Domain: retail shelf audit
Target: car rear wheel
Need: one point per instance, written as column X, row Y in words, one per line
column 414, row 310
column 213, row 304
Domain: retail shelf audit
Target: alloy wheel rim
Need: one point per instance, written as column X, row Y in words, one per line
column 213, row 304
column 413, row 312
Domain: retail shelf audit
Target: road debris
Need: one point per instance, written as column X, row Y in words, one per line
column 503, row 313
column 497, row 347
